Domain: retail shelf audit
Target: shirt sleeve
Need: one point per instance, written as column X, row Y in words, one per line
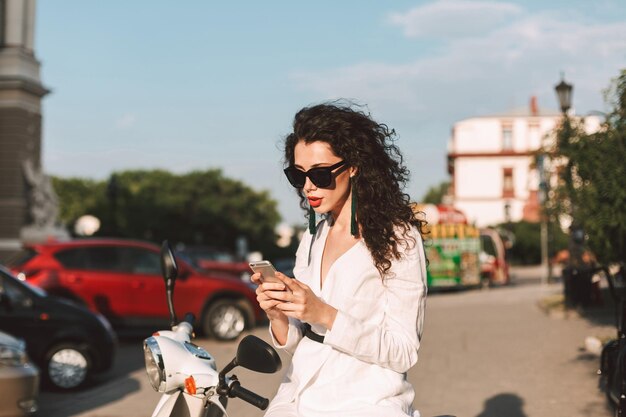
column 294, row 335
column 295, row 332
column 395, row 343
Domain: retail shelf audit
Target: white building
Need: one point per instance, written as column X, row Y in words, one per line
column 492, row 163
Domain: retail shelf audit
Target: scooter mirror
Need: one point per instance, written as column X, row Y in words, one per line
column 169, row 268
column 256, row 355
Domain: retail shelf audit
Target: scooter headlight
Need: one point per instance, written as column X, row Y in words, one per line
column 154, row 362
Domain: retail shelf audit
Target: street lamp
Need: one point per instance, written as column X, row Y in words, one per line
column 543, row 200
column 564, row 93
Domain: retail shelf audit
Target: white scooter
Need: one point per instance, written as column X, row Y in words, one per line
column 187, row 375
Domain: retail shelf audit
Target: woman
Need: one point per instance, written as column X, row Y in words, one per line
column 352, row 317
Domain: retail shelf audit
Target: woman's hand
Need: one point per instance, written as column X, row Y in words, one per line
column 267, row 303
column 301, row 303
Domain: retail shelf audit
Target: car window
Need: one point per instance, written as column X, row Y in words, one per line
column 96, row 258
column 21, row 257
column 488, row 245
column 72, row 258
column 104, row 258
column 17, row 295
column 142, row 261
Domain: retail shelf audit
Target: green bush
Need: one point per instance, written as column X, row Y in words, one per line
column 200, row 207
column 527, row 247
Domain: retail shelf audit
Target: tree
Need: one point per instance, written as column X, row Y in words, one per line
column 527, row 247
column 435, row 193
column 78, row 196
column 201, row 207
column 592, row 186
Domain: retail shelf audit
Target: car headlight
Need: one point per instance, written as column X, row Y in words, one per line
column 13, row 355
column 154, row 362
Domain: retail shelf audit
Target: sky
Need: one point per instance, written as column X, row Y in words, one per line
column 197, row 85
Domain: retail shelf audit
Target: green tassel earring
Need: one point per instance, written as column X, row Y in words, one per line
column 354, row 228
column 312, row 224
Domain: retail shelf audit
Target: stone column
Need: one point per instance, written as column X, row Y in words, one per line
column 21, row 92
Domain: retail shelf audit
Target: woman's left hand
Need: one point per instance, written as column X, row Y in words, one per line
column 301, row 303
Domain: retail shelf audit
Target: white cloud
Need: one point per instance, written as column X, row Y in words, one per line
column 127, row 120
column 453, row 18
column 486, row 73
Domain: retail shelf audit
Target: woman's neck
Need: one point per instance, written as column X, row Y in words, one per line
column 342, row 215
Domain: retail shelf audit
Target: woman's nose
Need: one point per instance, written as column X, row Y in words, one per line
column 308, row 185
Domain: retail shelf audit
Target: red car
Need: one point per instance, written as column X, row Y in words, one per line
column 210, row 260
column 121, row 279
column 493, row 265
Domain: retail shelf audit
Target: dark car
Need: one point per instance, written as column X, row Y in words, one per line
column 285, row 265
column 121, row 279
column 68, row 342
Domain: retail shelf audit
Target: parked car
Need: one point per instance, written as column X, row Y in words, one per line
column 68, row 342
column 121, row 279
column 19, row 379
column 210, row 260
column 285, row 265
column 494, row 269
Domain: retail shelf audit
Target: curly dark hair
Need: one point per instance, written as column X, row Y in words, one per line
column 384, row 211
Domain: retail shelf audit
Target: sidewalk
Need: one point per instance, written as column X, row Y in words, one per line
column 494, row 353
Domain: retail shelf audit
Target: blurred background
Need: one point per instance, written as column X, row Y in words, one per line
column 126, row 123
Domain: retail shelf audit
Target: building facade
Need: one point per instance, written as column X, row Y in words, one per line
column 491, row 160
column 21, row 92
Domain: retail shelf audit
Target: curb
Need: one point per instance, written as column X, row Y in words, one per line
column 554, row 306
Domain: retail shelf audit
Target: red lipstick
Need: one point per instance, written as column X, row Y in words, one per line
column 315, row 201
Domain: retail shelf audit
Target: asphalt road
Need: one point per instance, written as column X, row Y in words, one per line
column 485, row 353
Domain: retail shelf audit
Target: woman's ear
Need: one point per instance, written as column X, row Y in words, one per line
column 353, row 171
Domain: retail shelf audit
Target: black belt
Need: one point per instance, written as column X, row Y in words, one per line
column 312, row 335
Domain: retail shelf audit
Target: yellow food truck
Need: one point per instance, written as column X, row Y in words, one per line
column 452, row 247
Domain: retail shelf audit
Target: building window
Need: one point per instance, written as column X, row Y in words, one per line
column 534, row 135
column 507, row 137
column 507, row 211
column 508, row 189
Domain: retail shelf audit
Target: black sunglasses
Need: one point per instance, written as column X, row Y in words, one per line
column 321, row 177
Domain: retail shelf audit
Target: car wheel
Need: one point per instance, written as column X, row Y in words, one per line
column 67, row 366
column 224, row 320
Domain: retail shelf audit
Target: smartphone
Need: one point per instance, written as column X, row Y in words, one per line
column 267, row 270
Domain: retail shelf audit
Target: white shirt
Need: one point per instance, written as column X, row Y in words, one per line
column 360, row 369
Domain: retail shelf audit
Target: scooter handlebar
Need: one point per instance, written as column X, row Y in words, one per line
column 189, row 318
column 186, row 325
column 236, row 390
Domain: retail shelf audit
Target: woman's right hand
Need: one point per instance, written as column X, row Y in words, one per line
column 267, row 303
